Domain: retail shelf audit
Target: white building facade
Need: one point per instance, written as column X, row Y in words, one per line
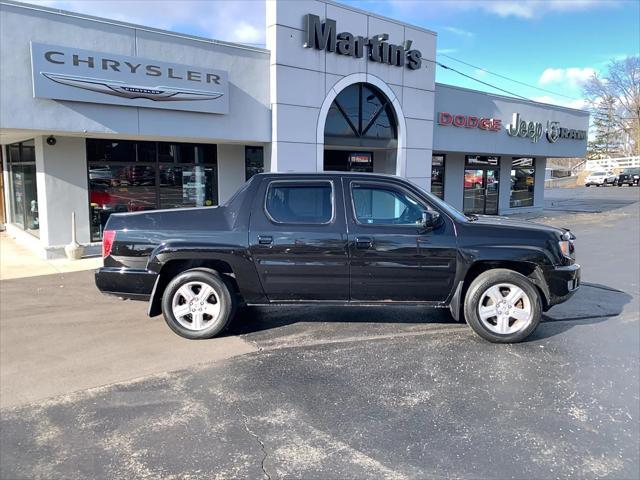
column 99, row 116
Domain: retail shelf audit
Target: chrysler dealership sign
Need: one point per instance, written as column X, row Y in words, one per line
column 64, row 73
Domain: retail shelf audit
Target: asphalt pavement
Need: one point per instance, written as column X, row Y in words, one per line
column 390, row 392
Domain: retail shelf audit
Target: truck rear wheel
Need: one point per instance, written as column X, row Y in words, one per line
column 197, row 304
column 502, row 306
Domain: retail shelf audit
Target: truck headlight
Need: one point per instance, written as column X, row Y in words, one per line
column 567, row 246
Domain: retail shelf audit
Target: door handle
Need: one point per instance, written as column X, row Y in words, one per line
column 363, row 242
column 265, row 239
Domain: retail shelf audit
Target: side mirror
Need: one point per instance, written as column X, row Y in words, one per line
column 429, row 219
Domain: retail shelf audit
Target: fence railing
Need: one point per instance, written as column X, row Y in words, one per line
column 610, row 163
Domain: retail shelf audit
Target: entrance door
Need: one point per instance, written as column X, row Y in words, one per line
column 481, row 191
column 346, row 161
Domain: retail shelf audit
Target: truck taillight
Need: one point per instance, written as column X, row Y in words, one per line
column 108, row 236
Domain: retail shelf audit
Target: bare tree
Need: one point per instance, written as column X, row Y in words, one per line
column 614, row 100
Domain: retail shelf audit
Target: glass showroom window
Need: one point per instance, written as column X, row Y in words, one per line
column 253, row 161
column 22, row 186
column 523, row 172
column 437, row 175
column 127, row 176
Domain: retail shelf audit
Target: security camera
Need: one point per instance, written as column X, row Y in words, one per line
column 51, row 140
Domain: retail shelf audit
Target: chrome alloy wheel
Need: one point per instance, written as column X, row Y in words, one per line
column 505, row 309
column 195, row 305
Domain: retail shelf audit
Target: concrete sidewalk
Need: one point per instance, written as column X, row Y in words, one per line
column 17, row 261
column 59, row 334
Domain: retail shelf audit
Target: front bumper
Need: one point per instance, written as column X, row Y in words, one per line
column 125, row 282
column 562, row 282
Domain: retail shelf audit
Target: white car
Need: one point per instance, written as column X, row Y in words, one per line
column 600, row 179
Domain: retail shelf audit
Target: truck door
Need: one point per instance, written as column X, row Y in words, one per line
column 392, row 257
column 298, row 239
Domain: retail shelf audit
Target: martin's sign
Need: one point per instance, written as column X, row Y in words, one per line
column 534, row 130
column 64, row 73
column 324, row 36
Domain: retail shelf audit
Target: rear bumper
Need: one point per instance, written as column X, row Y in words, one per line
column 125, row 282
column 562, row 282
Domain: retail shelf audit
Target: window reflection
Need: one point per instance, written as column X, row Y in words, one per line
column 523, row 174
column 186, row 186
column 437, row 175
column 133, row 176
column 23, row 187
column 360, row 111
column 253, row 161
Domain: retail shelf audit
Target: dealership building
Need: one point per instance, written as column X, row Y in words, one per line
column 99, row 116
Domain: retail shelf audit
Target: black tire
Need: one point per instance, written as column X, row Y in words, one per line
column 222, row 291
column 480, row 285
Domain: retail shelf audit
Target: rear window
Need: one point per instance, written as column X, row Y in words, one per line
column 310, row 203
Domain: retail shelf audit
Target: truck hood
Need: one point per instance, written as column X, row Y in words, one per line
column 507, row 222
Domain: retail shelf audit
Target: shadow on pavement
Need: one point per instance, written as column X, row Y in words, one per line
column 592, row 303
column 257, row 319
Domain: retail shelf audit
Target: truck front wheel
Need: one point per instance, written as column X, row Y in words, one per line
column 502, row 306
column 197, row 304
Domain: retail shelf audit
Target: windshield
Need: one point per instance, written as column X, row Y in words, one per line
column 444, row 206
column 599, row 174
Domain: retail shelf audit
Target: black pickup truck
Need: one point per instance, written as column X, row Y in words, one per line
column 337, row 239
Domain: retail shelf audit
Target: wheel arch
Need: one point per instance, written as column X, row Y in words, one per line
column 528, row 269
column 174, row 267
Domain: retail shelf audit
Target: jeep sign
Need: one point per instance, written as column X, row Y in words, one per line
column 534, row 130
column 64, row 73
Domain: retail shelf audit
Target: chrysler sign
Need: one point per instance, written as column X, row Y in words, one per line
column 64, row 73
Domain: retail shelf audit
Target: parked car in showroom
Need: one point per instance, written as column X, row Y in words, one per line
column 628, row 176
column 600, row 179
column 337, row 239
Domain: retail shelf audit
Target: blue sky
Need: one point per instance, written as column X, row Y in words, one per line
column 551, row 44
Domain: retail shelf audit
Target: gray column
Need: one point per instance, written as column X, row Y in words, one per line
column 504, row 187
column 538, row 190
column 62, row 188
column 231, row 170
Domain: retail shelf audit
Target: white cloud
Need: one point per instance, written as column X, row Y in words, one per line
column 444, row 51
column 233, row 21
column 538, row 8
column 459, row 31
column 578, row 103
column 573, row 76
column 504, row 8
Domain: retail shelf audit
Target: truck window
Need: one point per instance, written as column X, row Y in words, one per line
column 379, row 205
column 296, row 202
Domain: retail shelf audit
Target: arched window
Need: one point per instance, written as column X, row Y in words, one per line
column 361, row 115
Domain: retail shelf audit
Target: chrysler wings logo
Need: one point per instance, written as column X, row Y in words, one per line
column 121, row 89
